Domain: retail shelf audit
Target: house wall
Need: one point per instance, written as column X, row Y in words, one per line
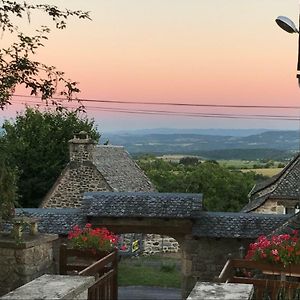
column 271, row 206
column 76, row 179
column 277, row 206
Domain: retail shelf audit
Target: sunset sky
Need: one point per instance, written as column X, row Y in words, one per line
column 228, row 52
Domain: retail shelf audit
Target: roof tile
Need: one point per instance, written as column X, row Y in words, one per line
column 139, row 204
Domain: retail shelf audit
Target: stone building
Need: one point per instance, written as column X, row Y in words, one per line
column 95, row 168
column 278, row 195
column 102, row 169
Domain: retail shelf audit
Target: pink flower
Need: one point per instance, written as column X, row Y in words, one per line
column 283, row 248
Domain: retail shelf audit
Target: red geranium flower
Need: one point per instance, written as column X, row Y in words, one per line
column 95, row 239
column 283, row 248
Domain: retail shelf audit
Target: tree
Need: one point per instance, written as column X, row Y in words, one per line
column 222, row 189
column 189, row 160
column 8, row 190
column 36, row 143
column 17, row 67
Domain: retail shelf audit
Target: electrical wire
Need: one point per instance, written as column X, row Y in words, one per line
column 167, row 103
column 185, row 114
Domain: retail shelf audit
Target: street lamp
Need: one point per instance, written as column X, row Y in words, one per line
column 289, row 26
column 286, row 24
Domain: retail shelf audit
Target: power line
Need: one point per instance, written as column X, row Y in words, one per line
column 167, row 103
column 188, row 114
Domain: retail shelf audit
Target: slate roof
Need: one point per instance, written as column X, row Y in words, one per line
column 284, row 185
column 119, row 170
column 158, row 205
column 254, row 203
column 205, row 224
column 236, row 225
column 293, row 223
column 54, row 220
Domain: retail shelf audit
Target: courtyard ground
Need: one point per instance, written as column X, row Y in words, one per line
column 158, row 270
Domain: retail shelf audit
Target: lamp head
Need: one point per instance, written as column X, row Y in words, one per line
column 286, row 24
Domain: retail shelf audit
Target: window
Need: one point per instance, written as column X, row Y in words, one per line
column 290, row 210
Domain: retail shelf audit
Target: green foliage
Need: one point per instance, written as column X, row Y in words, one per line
column 189, row 160
column 8, row 190
column 223, row 189
column 281, row 165
column 36, row 143
column 17, row 67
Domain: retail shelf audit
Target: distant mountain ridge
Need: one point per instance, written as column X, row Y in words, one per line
column 179, row 143
column 209, row 131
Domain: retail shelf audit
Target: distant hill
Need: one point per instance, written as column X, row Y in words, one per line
column 268, row 143
column 209, row 131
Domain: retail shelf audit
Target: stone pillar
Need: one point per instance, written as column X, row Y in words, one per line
column 232, row 291
column 204, row 258
column 50, row 287
column 188, row 281
column 25, row 260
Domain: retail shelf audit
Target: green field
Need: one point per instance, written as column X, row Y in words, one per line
column 175, row 157
column 236, row 163
column 265, row 172
column 254, row 165
column 149, row 271
column 246, row 164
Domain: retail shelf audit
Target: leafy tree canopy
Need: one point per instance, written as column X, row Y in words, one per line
column 17, row 67
column 36, row 143
column 189, row 160
column 8, row 189
column 222, row 189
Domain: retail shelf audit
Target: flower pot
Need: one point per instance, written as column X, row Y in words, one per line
column 85, row 257
column 274, row 269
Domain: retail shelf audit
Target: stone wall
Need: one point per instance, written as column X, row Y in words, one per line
column 204, row 258
column 154, row 243
column 76, row 179
column 22, row 262
column 271, row 206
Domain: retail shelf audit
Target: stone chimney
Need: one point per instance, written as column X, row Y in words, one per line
column 81, row 147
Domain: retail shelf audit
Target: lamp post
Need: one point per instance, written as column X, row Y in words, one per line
column 289, row 26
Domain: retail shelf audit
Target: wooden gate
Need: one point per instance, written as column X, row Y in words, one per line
column 104, row 269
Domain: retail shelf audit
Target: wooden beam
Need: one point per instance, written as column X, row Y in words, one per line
column 145, row 225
